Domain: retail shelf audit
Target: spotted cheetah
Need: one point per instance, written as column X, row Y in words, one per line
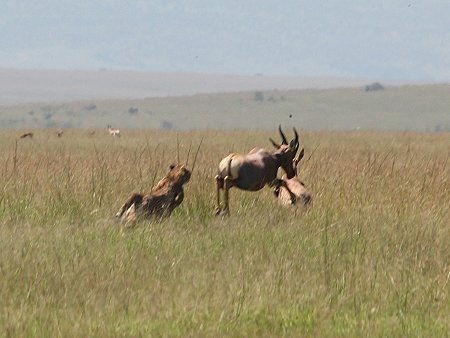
column 162, row 199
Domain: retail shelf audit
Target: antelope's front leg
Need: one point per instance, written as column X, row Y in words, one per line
column 219, row 185
column 276, row 184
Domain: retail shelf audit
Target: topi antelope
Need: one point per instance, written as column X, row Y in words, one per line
column 290, row 191
column 113, row 131
column 254, row 170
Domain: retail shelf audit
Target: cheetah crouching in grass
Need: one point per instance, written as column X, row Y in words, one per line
column 162, row 199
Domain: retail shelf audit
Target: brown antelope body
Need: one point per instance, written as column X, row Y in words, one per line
column 291, row 190
column 252, row 171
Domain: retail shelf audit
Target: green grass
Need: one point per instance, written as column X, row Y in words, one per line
column 370, row 258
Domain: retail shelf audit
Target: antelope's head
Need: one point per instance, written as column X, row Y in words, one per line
column 292, row 191
column 297, row 160
column 285, row 152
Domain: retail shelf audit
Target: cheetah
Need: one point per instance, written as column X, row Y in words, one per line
column 161, row 200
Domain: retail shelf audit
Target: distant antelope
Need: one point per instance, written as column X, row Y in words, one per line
column 290, row 191
column 113, row 132
column 60, row 133
column 25, row 135
column 254, row 170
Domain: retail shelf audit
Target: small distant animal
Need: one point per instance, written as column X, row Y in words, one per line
column 60, row 133
column 25, row 135
column 292, row 191
column 252, row 171
column 161, row 200
column 113, row 132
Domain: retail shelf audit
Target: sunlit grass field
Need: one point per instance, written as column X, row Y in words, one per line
column 371, row 257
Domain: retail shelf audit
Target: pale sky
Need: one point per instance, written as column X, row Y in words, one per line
column 383, row 39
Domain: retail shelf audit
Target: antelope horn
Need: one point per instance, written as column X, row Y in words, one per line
column 296, row 143
column 196, row 153
column 276, row 145
column 300, row 155
column 283, row 137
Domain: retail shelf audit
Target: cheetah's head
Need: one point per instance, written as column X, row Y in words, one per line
column 179, row 174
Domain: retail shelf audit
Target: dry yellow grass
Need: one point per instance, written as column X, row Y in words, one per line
column 370, row 258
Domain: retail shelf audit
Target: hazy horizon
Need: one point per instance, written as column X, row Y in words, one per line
column 386, row 40
column 47, row 86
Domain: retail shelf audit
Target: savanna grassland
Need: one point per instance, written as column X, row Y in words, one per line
column 403, row 108
column 371, row 257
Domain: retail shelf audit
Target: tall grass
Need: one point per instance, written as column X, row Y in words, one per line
column 369, row 258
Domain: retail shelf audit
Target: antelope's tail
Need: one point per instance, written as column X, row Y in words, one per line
column 229, row 166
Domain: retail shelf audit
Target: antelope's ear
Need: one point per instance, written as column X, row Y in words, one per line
column 276, row 145
column 172, row 166
column 302, row 153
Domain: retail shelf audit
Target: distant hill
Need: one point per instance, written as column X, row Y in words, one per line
column 24, row 86
column 404, row 108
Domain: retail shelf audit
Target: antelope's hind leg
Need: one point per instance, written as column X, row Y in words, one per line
column 219, row 185
column 228, row 183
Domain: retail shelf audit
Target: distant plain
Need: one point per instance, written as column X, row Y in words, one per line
column 395, row 108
